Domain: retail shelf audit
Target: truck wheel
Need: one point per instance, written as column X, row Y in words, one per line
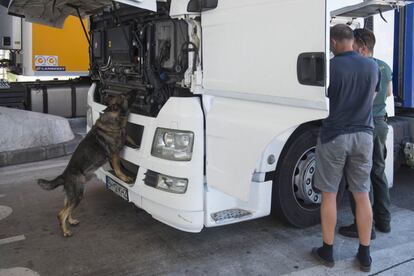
column 295, row 198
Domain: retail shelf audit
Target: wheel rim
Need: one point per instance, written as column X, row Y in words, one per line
column 305, row 193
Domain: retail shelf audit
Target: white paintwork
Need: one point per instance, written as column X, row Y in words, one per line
column 389, row 161
column 181, row 211
column 178, row 9
column 5, row 211
column 11, row 26
column 259, row 203
column 143, row 4
column 12, row 239
column 236, row 67
column 384, row 33
column 238, row 132
column 18, row 271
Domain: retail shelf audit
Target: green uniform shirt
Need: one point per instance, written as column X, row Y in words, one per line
column 379, row 101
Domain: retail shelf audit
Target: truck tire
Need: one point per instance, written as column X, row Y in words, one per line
column 295, row 200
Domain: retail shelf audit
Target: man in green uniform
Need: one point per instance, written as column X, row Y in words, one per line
column 364, row 44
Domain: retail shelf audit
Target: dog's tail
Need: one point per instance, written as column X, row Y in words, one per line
column 51, row 184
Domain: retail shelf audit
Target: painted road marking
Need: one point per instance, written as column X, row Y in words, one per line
column 382, row 261
column 18, row 271
column 5, row 211
column 12, row 239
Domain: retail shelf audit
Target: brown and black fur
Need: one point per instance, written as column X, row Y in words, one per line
column 103, row 143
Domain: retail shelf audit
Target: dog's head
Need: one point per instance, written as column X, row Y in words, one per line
column 122, row 101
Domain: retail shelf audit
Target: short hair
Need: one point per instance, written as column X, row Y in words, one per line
column 365, row 37
column 341, row 32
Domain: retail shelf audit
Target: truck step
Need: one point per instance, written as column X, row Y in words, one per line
column 230, row 214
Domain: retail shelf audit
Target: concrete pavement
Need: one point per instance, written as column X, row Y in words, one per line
column 116, row 238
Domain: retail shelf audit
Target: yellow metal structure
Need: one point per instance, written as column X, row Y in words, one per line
column 56, row 52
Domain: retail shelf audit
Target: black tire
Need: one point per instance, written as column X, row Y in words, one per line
column 287, row 202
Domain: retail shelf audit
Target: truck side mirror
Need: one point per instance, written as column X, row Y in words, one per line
column 201, row 5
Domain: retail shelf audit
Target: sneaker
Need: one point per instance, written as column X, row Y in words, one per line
column 351, row 231
column 384, row 228
column 322, row 260
column 364, row 265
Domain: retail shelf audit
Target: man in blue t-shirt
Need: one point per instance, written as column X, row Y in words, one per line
column 346, row 143
column 364, row 45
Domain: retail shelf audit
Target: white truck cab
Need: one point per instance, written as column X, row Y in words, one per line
column 230, row 98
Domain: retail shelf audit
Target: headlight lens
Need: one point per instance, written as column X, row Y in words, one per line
column 89, row 117
column 175, row 145
column 172, row 184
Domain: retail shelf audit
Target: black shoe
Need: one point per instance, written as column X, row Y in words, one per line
column 383, row 227
column 351, row 231
column 364, row 265
column 322, row 260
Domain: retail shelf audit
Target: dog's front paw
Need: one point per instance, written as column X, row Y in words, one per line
column 127, row 179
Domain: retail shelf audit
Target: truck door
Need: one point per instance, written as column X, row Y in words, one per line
column 267, row 51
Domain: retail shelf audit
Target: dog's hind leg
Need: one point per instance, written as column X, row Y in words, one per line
column 76, row 197
column 116, row 165
column 63, row 216
column 72, row 221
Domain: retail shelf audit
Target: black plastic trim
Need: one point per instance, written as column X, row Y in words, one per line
column 311, row 69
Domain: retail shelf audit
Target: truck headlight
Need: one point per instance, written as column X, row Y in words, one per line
column 175, row 145
column 172, row 184
column 89, row 117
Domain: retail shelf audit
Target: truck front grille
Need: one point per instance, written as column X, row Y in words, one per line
column 129, row 168
column 135, row 132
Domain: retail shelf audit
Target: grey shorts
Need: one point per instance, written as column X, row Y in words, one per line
column 348, row 155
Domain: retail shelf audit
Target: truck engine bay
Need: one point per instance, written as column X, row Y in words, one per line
column 143, row 52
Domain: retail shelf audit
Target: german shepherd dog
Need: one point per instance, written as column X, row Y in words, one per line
column 103, row 143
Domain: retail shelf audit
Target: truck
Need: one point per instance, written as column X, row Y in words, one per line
column 230, row 98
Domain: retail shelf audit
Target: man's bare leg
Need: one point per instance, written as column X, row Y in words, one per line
column 328, row 217
column 363, row 217
column 364, row 222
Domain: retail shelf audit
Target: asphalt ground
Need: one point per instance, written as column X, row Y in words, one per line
column 116, row 238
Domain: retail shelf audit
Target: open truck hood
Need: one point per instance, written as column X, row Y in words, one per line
column 54, row 12
column 369, row 8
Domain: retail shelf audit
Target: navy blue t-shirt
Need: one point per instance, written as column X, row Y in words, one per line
column 354, row 79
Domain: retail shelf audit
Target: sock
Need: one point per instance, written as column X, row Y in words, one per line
column 326, row 252
column 364, row 255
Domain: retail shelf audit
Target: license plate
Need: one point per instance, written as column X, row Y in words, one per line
column 117, row 188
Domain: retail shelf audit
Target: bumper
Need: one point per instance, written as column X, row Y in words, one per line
column 188, row 221
column 181, row 211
